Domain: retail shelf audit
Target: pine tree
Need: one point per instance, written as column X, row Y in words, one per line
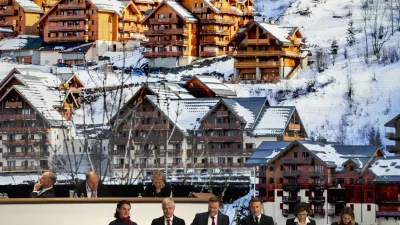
column 351, row 32
column 334, row 50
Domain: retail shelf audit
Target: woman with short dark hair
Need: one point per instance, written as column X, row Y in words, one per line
column 122, row 214
column 301, row 211
column 346, row 217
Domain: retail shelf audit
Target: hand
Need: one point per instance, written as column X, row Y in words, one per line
column 37, row 186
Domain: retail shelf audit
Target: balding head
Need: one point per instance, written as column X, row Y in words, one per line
column 92, row 179
column 48, row 179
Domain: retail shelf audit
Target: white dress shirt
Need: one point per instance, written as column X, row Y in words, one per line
column 259, row 218
column 41, row 191
column 210, row 220
column 297, row 221
column 166, row 220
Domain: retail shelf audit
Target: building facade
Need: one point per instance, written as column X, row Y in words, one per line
column 393, row 135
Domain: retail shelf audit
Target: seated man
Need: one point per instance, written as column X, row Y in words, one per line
column 91, row 188
column 168, row 208
column 44, row 187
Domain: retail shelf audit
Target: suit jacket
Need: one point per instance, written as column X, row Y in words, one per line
column 337, row 223
column 47, row 194
column 291, row 222
column 102, row 191
column 175, row 221
column 264, row 220
column 150, row 191
column 202, row 219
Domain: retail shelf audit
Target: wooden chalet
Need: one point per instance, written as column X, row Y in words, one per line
column 393, row 135
column 208, row 86
column 267, row 53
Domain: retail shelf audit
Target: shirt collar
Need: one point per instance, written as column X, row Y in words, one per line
column 170, row 219
column 259, row 217
column 43, row 190
column 297, row 221
column 215, row 217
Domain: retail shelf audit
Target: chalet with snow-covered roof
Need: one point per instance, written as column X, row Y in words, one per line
column 208, row 86
column 393, row 134
column 327, row 175
column 77, row 55
column 20, row 16
column 265, row 52
column 91, row 20
column 22, row 50
column 33, row 122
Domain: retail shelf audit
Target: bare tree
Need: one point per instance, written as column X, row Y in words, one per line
column 378, row 27
column 365, row 9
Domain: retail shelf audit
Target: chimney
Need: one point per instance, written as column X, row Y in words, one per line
column 271, row 21
column 264, row 19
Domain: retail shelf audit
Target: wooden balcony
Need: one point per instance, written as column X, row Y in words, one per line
column 23, row 129
column 314, row 212
column 8, row 23
column 131, row 18
column 228, row 11
column 164, row 21
column 290, row 199
column 253, row 65
column 60, row 28
column 228, row 126
column 146, row 114
column 317, row 200
column 219, row 152
column 18, row 155
column 214, row 32
column 166, row 32
column 291, row 187
column 71, row 6
column 67, row 17
column 199, row 9
column 83, row 38
column 24, row 168
column 74, row 90
column 147, row 127
column 213, row 42
column 14, row 104
column 262, row 53
column 393, row 149
column 291, row 174
column 299, row 160
column 49, row 3
column 208, row 54
column 337, row 200
column 143, row 8
column 391, row 201
column 316, row 173
column 4, row 2
column 393, row 136
column 169, row 42
column 294, row 126
column 120, row 152
column 387, row 214
column 257, row 41
column 7, row 12
column 216, row 21
column 26, row 142
column 222, row 114
column 129, row 29
column 219, row 139
column 163, row 54
column 120, row 166
column 18, row 117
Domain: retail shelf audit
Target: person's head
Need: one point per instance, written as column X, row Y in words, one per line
column 347, row 216
column 123, row 210
column 158, row 179
column 168, row 207
column 214, row 205
column 48, row 179
column 92, row 180
column 301, row 211
column 255, row 206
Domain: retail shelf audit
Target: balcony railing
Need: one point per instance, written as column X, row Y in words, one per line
column 296, row 160
column 120, row 166
column 14, row 104
column 163, row 54
column 316, row 187
column 74, row 90
column 7, row 12
column 211, row 53
column 257, row 41
column 293, row 173
column 25, row 154
column 290, row 199
column 291, row 187
column 168, row 42
column 163, row 21
column 131, row 18
column 143, row 8
column 165, row 32
column 24, row 168
column 49, row 3
column 393, row 136
column 214, row 32
column 216, row 21
column 252, row 65
column 18, row 117
column 55, row 28
column 227, row 126
column 199, row 10
column 83, row 38
column 392, row 148
column 294, row 126
column 26, row 142
column 72, row 6
column 262, row 53
column 317, row 212
column 317, row 199
column 219, row 138
column 222, row 151
column 23, row 129
column 67, row 17
column 388, row 201
column 146, row 114
column 8, row 23
column 4, row 2
column 229, row 10
column 316, row 173
column 387, row 213
column 336, row 200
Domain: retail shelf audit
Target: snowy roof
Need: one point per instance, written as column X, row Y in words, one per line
column 215, row 9
column 182, row 11
column 13, row 44
column 109, row 5
column 289, row 30
column 29, row 6
column 273, row 121
column 279, row 33
column 47, row 79
column 238, row 11
column 265, row 152
column 215, row 85
column 386, row 166
column 246, row 108
column 80, row 48
column 6, row 30
column 144, row 1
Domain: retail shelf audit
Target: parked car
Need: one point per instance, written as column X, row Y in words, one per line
column 137, row 73
column 62, row 64
column 157, row 74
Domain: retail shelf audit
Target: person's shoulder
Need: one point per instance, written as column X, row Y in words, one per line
column 178, row 218
column 312, row 221
column 114, row 222
column 336, row 223
column 290, row 220
column 266, row 217
column 134, row 223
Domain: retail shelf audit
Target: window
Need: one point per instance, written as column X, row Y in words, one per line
column 281, row 180
column 92, row 22
column 1, row 137
column 92, row 11
column 271, row 168
column 271, row 180
column 279, row 193
column 368, row 207
column 351, row 168
column 1, row 150
column 282, row 169
column 92, row 33
column 295, row 154
column 352, row 206
column 369, row 195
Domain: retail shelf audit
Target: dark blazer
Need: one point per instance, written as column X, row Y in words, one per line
column 150, row 191
column 264, row 220
column 47, row 194
column 337, row 223
column 120, row 222
column 291, row 222
column 202, row 219
column 175, row 221
column 102, row 191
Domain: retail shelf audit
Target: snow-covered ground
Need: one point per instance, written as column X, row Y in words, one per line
column 271, row 8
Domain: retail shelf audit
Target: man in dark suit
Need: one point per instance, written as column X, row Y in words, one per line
column 44, row 187
column 213, row 216
column 256, row 217
column 168, row 207
column 91, row 187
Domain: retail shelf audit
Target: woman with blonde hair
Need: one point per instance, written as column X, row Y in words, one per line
column 158, row 187
column 346, row 217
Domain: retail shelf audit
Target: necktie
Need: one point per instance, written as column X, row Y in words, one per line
column 213, row 221
column 93, row 195
column 168, row 222
column 256, row 218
